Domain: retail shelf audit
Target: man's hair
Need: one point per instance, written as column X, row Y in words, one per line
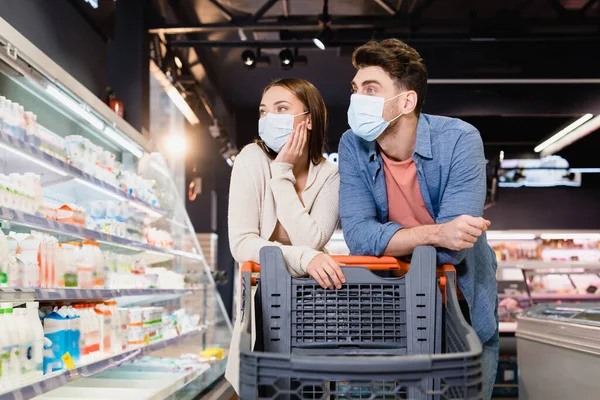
column 400, row 61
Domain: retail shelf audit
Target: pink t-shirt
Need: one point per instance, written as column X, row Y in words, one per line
column 405, row 202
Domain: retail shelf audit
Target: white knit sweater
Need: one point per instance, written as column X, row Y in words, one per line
column 262, row 192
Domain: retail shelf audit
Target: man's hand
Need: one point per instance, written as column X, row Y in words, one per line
column 461, row 233
column 326, row 272
column 292, row 151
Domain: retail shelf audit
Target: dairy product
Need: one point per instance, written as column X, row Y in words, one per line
column 35, row 325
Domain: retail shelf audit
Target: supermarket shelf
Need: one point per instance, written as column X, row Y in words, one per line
column 25, row 151
column 508, row 327
column 541, row 297
column 79, row 232
column 39, row 294
column 61, row 378
column 539, row 264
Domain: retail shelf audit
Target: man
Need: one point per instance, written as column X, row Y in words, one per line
column 409, row 179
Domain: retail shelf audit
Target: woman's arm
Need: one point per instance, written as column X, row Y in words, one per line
column 312, row 229
column 244, row 216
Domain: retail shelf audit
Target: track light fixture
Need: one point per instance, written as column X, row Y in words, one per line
column 323, row 38
column 326, row 34
column 286, row 59
column 249, row 59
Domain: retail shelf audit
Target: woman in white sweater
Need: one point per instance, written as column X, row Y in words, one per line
column 284, row 192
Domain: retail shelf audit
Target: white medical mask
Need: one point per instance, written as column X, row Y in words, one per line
column 275, row 129
column 365, row 115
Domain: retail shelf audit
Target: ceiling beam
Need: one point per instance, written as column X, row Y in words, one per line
column 398, row 22
column 383, row 4
column 263, row 10
column 226, row 13
column 437, row 41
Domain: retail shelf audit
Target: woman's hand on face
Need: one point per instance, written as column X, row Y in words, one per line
column 326, row 272
column 292, row 151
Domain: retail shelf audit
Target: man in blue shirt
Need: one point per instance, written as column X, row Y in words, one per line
column 410, row 179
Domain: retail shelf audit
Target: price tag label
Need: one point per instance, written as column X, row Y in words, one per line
column 69, row 363
column 146, row 339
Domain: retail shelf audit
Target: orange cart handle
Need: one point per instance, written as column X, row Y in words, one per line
column 372, row 263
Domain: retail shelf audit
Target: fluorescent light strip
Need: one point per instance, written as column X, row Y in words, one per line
column 34, row 160
column 510, row 236
column 563, row 132
column 119, row 139
column 75, row 107
column 585, row 129
column 585, row 170
column 572, row 236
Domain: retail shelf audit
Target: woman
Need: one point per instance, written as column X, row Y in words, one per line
column 284, row 192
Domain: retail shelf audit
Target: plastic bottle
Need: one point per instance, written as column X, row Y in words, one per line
column 104, row 316
column 35, row 325
column 5, row 348
column 75, row 334
column 2, row 101
column 26, row 337
column 56, row 329
column 14, row 342
column 16, row 122
column 115, row 339
column 7, row 123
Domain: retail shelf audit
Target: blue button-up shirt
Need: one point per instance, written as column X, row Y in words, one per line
column 452, row 179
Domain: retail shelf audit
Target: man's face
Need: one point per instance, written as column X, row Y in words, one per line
column 374, row 81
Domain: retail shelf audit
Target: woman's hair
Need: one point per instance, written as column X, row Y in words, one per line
column 310, row 97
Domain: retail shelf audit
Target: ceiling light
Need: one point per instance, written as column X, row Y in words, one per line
column 570, row 236
column 249, row 59
column 499, row 235
column 286, row 58
column 178, row 62
column 175, row 145
column 562, row 133
column 590, row 126
column 323, row 38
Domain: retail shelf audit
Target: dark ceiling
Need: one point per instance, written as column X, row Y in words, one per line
column 518, row 70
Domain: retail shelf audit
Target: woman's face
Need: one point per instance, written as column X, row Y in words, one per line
column 279, row 100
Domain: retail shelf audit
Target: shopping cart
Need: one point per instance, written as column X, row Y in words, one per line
column 391, row 332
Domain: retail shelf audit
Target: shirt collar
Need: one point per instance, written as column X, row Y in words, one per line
column 422, row 145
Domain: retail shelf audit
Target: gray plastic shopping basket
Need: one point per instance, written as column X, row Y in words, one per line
column 378, row 337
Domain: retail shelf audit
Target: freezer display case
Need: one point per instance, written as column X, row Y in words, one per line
column 104, row 290
column 558, row 350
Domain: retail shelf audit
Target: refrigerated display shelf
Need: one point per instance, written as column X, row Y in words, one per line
column 31, row 153
column 61, row 378
column 41, row 294
column 79, row 232
column 545, row 265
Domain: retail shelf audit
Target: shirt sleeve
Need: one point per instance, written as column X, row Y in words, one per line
column 312, row 229
column 244, row 219
column 465, row 191
column 363, row 232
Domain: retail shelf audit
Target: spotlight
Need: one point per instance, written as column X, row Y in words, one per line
column 178, row 62
column 249, row 59
column 323, row 38
column 287, row 59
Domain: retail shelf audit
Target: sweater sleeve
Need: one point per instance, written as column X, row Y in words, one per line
column 315, row 228
column 244, row 218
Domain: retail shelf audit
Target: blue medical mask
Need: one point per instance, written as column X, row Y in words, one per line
column 275, row 129
column 365, row 115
